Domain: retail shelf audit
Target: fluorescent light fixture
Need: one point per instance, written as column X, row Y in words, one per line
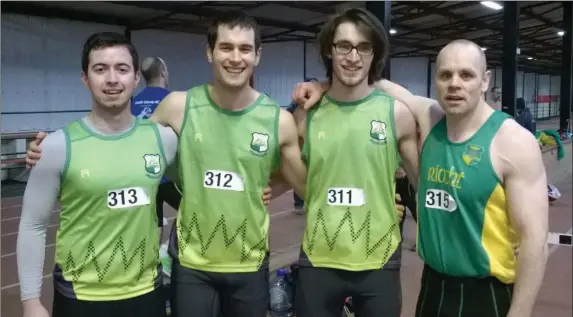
column 530, row 58
column 561, row 33
column 393, row 31
column 484, row 49
column 492, row 5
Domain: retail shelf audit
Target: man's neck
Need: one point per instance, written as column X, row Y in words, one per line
column 461, row 128
column 340, row 92
column 110, row 121
column 157, row 84
column 232, row 99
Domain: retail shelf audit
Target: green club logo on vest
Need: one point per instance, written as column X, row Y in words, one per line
column 378, row 132
column 472, row 155
column 152, row 164
column 259, row 143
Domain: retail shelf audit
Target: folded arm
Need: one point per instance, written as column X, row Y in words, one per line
column 40, row 198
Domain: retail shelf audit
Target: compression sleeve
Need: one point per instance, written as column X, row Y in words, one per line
column 170, row 144
column 40, row 198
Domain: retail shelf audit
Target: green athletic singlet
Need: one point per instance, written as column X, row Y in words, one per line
column 107, row 244
column 352, row 156
column 225, row 158
column 464, row 228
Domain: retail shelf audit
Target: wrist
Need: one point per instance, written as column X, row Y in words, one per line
column 31, row 303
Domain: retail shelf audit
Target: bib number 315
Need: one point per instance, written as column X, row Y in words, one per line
column 223, row 180
column 440, row 199
column 127, row 197
column 344, row 196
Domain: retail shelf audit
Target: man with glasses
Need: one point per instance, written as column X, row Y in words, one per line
column 353, row 141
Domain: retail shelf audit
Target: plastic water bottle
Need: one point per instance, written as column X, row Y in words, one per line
column 281, row 296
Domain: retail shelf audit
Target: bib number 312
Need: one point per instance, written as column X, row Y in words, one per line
column 127, row 197
column 344, row 196
column 223, row 180
column 440, row 199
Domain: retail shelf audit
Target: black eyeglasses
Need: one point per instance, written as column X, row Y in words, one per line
column 362, row 49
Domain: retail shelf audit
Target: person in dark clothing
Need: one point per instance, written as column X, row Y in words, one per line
column 154, row 71
column 524, row 116
column 408, row 195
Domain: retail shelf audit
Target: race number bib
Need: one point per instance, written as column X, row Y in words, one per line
column 223, row 180
column 344, row 196
column 127, row 197
column 440, row 199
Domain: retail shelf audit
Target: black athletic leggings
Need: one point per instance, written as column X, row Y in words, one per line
column 208, row 294
column 148, row 305
column 444, row 296
column 168, row 193
column 320, row 292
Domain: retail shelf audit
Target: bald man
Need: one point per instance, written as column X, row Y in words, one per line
column 154, row 71
column 482, row 191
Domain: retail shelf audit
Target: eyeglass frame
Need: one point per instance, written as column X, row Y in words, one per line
column 353, row 47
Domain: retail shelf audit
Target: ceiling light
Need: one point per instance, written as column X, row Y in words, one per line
column 393, row 31
column 492, row 5
column 561, row 33
column 530, row 58
column 484, row 49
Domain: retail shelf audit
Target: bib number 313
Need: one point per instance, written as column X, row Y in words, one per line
column 127, row 197
column 344, row 196
column 223, row 180
column 440, row 199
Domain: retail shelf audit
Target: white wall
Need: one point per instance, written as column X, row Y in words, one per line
column 41, row 61
column 411, row 72
column 41, row 65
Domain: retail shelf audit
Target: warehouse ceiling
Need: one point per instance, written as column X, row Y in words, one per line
column 421, row 28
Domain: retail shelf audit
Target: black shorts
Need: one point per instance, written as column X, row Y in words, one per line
column 321, row 292
column 208, row 294
column 443, row 295
column 168, row 193
column 151, row 304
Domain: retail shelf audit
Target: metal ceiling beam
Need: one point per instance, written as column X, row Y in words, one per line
column 210, row 13
column 528, row 11
column 33, row 9
column 460, row 5
column 459, row 17
column 465, row 22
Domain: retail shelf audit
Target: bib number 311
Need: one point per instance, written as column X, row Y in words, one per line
column 127, row 197
column 223, row 180
column 440, row 199
column 344, row 196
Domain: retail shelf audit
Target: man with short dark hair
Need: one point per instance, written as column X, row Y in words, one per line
column 232, row 138
column 104, row 170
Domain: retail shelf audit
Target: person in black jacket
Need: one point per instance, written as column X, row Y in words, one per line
column 524, row 116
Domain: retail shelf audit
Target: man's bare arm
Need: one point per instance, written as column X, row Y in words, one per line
column 171, row 110
column 526, row 189
column 426, row 111
column 292, row 167
column 407, row 142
